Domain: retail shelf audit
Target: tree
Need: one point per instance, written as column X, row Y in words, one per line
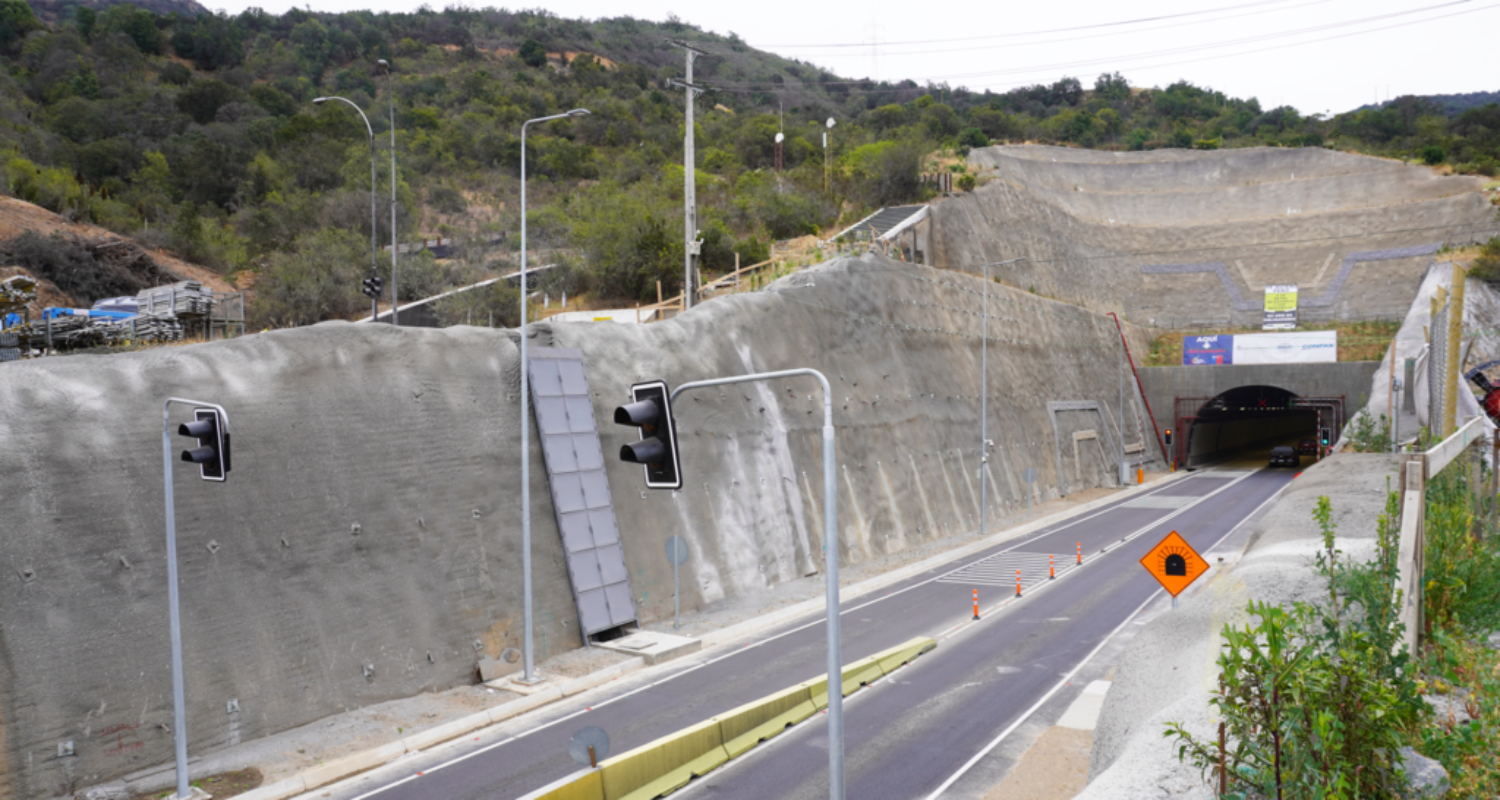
column 138, row 24
column 16, row 21
column 973, row 137
column 1111, row 86
column 532, row 53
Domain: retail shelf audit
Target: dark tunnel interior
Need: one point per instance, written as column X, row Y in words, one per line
column 1244, row 423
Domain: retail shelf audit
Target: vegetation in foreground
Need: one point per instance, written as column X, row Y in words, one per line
column 1315, row 700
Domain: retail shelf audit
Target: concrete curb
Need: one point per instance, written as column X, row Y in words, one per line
column 355, row 763
column 346, row 766
column 883, row 580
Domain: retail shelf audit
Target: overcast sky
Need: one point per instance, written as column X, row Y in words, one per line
column 1316, row 55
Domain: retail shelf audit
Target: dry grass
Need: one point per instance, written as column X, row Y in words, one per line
column 1358, row 341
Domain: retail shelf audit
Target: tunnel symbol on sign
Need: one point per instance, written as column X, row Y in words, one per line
column 1176, row 565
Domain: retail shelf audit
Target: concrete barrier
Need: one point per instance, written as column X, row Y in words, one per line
column 664, row 765
column 667, row 764
column 753, row 723
column 587, row 786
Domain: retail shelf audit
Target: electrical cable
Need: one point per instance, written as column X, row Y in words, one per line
column 1067, row 40
column 1038, row 33
column 1182, row 50
column 749, row 88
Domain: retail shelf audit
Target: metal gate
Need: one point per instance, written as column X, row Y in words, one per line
column 580, row 490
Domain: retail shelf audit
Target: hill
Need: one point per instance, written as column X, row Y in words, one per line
column 199, row 134
column 1450, row 105
column 54, row 11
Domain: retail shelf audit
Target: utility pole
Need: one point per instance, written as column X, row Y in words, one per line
column 689, row 197
column 390, row 84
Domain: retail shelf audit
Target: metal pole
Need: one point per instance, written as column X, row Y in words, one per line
column 830, row 560
column 174, row 617
column 689, row 198
column 529, row 676
column 1119, row 425
column 530, row 673
column 179, row 711
column 984, row 387
column 374, row 215
column 395, row 296
column 676, row 596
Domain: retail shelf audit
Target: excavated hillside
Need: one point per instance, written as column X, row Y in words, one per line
column 1187, row 239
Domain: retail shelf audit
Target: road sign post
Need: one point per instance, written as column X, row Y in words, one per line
column 1175, row 564
column 1030, row 477
column 677, row 553
column 589, row 746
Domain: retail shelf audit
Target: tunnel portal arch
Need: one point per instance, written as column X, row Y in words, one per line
column 1245, row 418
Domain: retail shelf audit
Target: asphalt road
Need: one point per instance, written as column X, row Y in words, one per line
column 906, row 735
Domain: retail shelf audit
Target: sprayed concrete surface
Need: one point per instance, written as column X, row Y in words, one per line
column 371, row 521
column 1168, row 671
column 1187, row 239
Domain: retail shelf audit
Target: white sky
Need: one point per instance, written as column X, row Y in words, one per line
column 1316, row 55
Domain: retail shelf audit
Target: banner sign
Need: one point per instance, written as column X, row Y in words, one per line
column 1281, row 308
column 1211, row 350
column 1303, row 347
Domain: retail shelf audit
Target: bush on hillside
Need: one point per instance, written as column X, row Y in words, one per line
column 82, row 271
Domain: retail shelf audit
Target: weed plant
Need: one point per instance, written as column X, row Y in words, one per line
column 1315, row 699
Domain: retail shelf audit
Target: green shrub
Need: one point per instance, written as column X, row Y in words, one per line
column 1433, row 155
column 1486, row 266
column 1312, row 700
column 967, row 183
column 1367, row 434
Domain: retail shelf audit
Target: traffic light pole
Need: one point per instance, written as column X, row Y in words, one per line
column 831, row 562
column 179, row 711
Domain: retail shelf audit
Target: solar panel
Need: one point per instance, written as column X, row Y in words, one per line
column 580, row 491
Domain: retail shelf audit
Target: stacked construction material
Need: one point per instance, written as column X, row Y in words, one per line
column 184, row 299
column 15, row 293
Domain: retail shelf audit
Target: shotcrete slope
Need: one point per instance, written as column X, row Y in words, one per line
column 1188, row 238
column 371, row 521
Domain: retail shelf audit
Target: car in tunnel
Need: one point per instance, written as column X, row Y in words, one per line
column 1307, row 447
column 1285, row 456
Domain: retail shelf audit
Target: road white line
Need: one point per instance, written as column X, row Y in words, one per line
column 1086, row 659
column 737, row 651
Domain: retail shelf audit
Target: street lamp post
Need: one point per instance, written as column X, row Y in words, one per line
column 390, row 84
column 529, row 675
column 374, row 259
column 984, row 393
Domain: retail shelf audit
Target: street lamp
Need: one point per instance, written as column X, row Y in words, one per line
column 529, row 676
column 984, row 393
column 374, row 260
column 390, row 85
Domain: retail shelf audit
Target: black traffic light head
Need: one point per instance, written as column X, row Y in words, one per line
column 1168, row 437
column 650, row 410
column 212, row 453
column 1324, row 437
column 373, row 286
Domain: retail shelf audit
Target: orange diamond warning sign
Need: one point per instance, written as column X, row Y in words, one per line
column 1174, row 563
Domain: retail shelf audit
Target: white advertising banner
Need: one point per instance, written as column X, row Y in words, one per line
column 1302, row 347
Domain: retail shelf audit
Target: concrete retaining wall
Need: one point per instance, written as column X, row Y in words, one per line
column 1090, row 222
column 372, row 516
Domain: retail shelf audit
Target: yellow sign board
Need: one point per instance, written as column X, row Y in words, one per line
column 1284, row 300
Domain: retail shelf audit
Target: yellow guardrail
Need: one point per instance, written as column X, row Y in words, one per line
column 667, row 764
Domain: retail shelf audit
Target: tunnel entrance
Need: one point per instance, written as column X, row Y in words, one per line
column 1241, row 426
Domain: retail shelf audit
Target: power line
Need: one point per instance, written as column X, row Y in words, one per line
column 1038, row 33
column 1066, row 40
column 1193, row 48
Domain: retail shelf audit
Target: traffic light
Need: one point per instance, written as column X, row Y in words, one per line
column 212, row 453
column 372, row 286
column 1325, row 437
column 1168, row 437
column 650, row 410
